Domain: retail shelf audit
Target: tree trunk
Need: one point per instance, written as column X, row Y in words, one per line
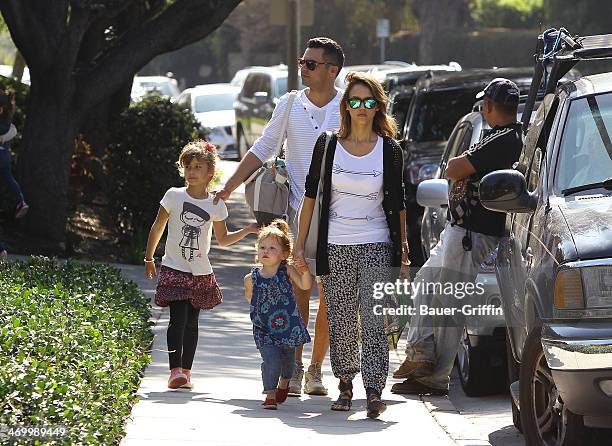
column 437, row 27
column 44, row 162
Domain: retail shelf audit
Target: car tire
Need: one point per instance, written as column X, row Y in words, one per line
column 513, row 375
column 541, row 417
column 241, row 143
column 476, row 375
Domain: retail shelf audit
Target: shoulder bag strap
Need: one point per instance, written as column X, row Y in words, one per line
column 283, row 131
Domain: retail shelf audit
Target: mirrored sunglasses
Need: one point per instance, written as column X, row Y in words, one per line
column 356, row 102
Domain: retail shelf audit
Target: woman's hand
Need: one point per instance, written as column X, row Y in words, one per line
column 298, row 256
column 150, row 270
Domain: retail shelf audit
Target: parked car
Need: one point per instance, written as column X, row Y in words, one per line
column 439, row 101
column 377, row 70
column 555, row 266
column 7, row 71
column 255, row 103
column 400, row 87
column 481, row 360
column 213, row 107
column 164, row 85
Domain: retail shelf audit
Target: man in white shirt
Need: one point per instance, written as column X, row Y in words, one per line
column 315, row 110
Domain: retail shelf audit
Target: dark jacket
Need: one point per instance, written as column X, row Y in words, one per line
column 393, row 201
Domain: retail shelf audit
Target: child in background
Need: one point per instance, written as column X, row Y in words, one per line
column 8, row 132
column 186, row 280
column 277, row 325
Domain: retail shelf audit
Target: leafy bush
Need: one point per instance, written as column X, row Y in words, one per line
column 148, row 138
column 73, row 339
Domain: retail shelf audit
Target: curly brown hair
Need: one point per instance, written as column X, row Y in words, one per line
column 279, row 229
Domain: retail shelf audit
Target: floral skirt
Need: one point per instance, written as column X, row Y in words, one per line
column 173, row 285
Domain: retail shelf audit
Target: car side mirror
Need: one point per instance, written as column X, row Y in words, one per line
column 506, row 191
column 432, row 193
column 261, row 97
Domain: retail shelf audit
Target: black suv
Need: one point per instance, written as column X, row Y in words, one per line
column 554, row 266
column 439, row 101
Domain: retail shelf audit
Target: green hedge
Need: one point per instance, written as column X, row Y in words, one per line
column 73, row 347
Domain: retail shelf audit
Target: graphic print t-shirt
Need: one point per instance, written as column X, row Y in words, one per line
column 356, row 215
column 189, row 230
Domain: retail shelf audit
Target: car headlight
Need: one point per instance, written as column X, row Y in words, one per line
column 586, row 287
column 422, row 173
column 427, row 172
column 597, row 281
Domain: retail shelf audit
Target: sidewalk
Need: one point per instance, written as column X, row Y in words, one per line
column 224, row 407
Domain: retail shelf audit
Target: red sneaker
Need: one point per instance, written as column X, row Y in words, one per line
column 177, row 379
column 269, row 403
column 281, row 394
column 188, row 384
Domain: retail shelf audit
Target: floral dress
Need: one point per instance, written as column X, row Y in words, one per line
column 274, row 312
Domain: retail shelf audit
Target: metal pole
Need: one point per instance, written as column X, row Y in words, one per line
column 382, row 50
column 293, row 30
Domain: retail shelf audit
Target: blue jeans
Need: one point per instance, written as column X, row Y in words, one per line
column 278, row 362
column 7, row 174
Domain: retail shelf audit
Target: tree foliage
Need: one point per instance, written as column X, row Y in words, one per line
column 81, row 53
column 508, row 13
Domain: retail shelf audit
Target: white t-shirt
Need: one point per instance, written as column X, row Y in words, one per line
column 356, row 215
column 189, row 230
column 318, row 113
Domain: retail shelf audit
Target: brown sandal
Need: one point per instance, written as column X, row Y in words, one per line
column 345, row 400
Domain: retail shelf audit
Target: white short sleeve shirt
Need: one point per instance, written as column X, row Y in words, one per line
column 190, row 230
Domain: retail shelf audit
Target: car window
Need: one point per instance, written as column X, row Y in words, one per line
column 214, row 102
column 185, row 101
column 583, row 155
column 281, row 85
column 265, row 85
column 251, row 85
column 399, row 111
column 538, row 130
column 437, row 112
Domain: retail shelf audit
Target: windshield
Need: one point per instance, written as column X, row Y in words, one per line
column 163, row 87
column 583, row 157
column 437, row 112
column 214, row 102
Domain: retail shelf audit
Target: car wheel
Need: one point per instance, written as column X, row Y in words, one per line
column 241, row 143
column 476, row 375
column 513, row 375
column 544, row 418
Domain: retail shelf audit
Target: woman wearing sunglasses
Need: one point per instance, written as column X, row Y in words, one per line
column 362, row 234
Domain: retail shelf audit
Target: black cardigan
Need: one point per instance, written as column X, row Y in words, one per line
column 393, row 200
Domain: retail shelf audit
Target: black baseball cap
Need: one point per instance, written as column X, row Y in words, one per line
column 502, row 91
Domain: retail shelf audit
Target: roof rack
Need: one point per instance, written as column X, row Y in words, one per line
column 561, row 51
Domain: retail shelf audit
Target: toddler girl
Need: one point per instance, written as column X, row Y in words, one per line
column 186, row 280
column 277, row 325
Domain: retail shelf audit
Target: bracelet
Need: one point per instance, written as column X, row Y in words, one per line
column 406, row 263
column 149, row 260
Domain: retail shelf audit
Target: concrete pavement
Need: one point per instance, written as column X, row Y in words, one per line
column 224, row 408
